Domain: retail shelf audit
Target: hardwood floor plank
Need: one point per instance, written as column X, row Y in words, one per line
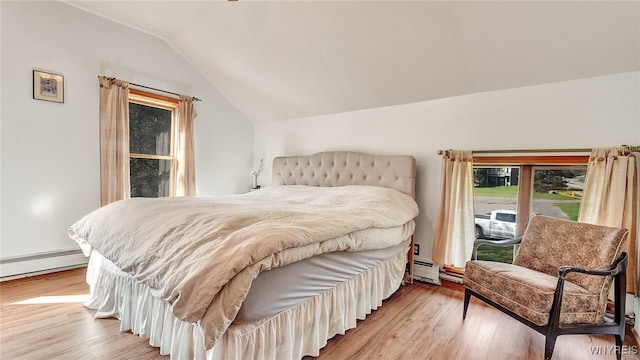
column 43, row 318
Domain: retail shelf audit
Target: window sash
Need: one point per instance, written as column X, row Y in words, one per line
column 150, row 156
column 525, row 185
column 166, row 103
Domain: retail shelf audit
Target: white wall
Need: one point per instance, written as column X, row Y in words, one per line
column 49, row 162
column 50, row 151
column 601, row 111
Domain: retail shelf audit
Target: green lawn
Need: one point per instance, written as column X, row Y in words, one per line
column 571, row 209
column 500, row 191
column 512, row 192
column 496, row 253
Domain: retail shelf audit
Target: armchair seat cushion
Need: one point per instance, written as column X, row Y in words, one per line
column 529, row 293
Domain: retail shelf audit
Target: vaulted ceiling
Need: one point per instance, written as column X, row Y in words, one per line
column 277, row 60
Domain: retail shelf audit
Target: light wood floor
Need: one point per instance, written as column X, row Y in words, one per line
column 41, row 319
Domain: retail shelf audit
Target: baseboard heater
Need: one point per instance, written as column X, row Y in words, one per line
column 426, row 271
column 455, row 279
column 40, row 263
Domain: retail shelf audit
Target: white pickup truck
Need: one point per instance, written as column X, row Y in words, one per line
column 499, row 224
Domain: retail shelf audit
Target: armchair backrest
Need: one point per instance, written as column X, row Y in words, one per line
column 549, row 243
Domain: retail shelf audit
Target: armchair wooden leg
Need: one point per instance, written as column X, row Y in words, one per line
column 619, row 341
column 467, row 297
column 549, row 345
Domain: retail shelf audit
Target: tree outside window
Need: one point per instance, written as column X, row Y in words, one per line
column 151, row 147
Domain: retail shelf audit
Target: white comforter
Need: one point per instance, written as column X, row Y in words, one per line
column 201, row 254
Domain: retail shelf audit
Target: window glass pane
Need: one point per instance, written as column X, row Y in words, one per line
column 495, row 203
column 150, row 177
column 149, row 130
column 557, row 191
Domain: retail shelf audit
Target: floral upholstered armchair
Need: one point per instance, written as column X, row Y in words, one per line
column 559, row 281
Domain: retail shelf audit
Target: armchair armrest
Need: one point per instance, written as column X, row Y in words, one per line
column 618, row 270
column 618, row 266
column 505, row 242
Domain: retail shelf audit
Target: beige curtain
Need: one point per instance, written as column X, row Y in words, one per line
column 610, row 198
column 454, row 236
column 186, row 175
column 114, row 140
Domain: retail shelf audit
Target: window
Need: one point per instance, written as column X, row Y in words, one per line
column 152, row 153
column 506, row 217
column 508, row 190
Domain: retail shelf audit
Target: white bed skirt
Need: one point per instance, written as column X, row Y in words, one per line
column 299, row 331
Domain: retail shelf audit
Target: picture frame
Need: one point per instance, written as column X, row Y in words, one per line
column 48, row 86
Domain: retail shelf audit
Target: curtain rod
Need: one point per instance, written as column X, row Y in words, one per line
column 628, row 148
column 164, row 91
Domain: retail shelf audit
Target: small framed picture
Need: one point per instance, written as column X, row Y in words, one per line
column 47, row 86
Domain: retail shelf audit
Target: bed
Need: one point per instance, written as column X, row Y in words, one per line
column 299, row 262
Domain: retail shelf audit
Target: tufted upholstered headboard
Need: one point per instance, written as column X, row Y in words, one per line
column 339, row 168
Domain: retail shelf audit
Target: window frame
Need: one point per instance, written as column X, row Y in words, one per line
column 526, row 163
column 162, row 102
